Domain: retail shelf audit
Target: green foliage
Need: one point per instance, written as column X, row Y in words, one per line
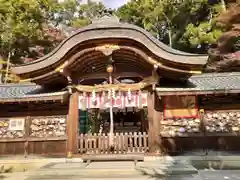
column 20, row 22
column 201, row 34
column 28, row 28
column 187, row 25
column 85, row 13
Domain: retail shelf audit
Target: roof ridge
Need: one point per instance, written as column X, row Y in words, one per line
column 18, row 85
column 223, row 74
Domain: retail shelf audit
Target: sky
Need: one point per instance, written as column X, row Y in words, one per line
column 114, row 3
column 111, row 3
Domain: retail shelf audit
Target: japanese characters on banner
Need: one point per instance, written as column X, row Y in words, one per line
column 120, row 100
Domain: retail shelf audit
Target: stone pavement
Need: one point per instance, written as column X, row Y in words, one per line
column 75, row 171
column 167, row 168
column 151, row 168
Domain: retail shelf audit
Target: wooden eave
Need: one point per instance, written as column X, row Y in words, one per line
column 81, row 62
column 58, row 97
column 196, row 92
column 133, row 42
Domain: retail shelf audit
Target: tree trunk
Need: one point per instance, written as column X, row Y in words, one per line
column 223, row 4
column 170, row 37
column 8, row 66
column 1, row 67
column 169, row 29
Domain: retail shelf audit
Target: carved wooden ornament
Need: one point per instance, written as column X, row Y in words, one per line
column 107, row 49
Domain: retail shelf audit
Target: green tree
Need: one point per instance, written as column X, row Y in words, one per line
column 86, row 13
column 20, row 22
column 32, row 28
column 225, row 57
column 187, row 25
column 203, row 31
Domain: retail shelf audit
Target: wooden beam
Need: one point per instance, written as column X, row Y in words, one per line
column 195, row 92
column 72, row 124
column 27, row 129
column 116, row 74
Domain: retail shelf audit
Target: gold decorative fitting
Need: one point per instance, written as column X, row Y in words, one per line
column 201, row 110
column 154, row 62
column 155, row 66
column 69, row 154
column 107, row 49
column 61, row 67
column 196, row 72
column 26, row 80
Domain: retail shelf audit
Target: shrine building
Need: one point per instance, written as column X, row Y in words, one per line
column 111, row 87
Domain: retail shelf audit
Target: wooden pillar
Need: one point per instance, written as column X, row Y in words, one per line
column 72, row 125
column 27, row 128
column 142, row 119
column 154, row 118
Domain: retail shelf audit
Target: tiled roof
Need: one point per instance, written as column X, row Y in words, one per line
column 21, row 91
column 198, row 83
column 209, row 82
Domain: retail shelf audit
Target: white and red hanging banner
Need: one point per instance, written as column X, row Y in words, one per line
column 120, row 100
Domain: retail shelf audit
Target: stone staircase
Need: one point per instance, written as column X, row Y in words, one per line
column 94, row 170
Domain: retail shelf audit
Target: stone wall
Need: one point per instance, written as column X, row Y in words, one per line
column 6, row 133
column 180, row 125
column 213, row 121
column 48, row 126
column 222, row 121
column 41, row 126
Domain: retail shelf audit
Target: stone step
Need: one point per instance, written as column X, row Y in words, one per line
column 92, row 178
column 164, row 169
column 87, row 173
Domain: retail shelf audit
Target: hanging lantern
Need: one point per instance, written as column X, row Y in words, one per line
column 109, row 68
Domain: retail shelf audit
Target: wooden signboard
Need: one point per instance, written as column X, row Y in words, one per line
column 16, row 124
column 180, row 107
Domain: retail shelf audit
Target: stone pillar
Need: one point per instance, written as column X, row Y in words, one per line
column 72, row 124
column 154, row 118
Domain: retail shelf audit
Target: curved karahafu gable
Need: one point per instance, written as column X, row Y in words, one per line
column 103, row 31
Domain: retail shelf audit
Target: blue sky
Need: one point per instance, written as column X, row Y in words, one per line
column 114, row 3
column 109, row 3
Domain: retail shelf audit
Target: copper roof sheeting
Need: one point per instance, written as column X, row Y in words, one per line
column 110, row 28
column 209, row 83
column 28, row 92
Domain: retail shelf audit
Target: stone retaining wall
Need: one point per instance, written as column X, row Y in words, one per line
column 48, row 126
column 180, row 125
column 41, row 126
column 6, row 133
column 214, row 122
column 222, row 121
